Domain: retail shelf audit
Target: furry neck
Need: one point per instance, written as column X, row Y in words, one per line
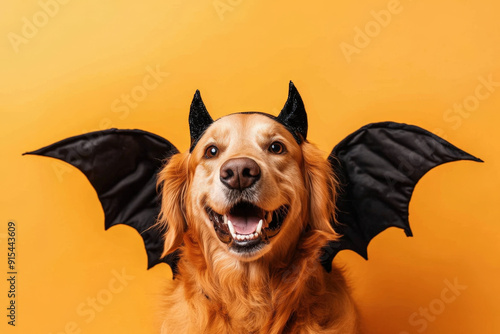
column 257, row 290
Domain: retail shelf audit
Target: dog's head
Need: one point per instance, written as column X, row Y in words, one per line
column 250, row 183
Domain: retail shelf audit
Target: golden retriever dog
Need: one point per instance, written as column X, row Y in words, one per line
column 250, row 206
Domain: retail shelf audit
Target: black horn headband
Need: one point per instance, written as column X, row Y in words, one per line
column 293, row 117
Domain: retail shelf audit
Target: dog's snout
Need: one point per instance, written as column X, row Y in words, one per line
column 239, row 173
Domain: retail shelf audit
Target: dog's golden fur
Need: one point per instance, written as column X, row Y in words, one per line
column 281, row 288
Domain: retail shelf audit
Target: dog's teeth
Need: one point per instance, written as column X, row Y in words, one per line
column 259, row 227
column 241, row 237
column 231, row 228
column 225, row 219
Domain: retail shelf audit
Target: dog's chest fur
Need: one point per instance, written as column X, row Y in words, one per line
column 258, row 298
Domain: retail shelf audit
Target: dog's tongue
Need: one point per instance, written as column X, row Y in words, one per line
column 245, row 217
column 244, row 224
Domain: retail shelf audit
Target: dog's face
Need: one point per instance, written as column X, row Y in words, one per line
column 247, row 184
column 248, row 187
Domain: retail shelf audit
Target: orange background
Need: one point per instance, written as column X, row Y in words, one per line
column 67, row 76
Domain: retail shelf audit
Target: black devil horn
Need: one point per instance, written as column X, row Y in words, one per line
column 199, row 119
column 293, row 115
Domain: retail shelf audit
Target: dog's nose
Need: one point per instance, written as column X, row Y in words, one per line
column 239, row 173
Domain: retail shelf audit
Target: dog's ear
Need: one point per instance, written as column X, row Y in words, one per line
column 199, row 119
column 173, row 181
column 321, row 186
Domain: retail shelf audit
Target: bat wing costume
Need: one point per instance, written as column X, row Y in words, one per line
column 121, row 165
column 378, row 167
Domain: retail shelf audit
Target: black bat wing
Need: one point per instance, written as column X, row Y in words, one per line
column 122, row 166
column 378, row 167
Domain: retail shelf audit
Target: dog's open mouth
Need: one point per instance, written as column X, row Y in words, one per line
column 245, row 227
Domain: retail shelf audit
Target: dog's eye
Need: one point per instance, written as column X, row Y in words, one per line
column 277, row 148
column 211, row 152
